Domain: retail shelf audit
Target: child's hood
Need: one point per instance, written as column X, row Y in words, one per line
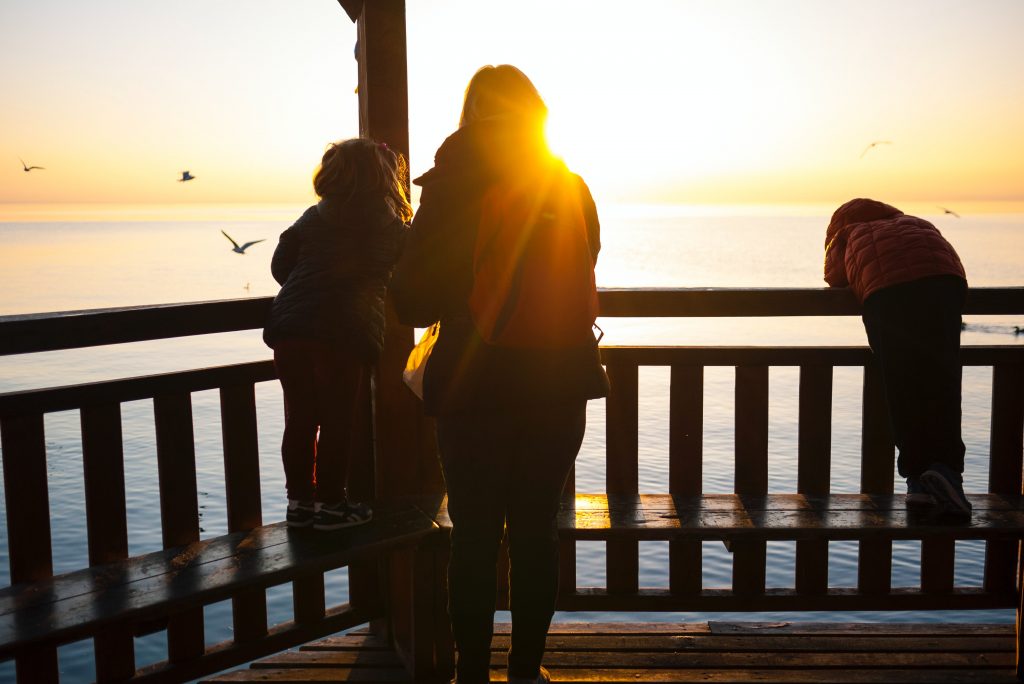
column 860, row 210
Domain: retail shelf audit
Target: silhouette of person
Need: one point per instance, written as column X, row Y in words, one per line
column 510, row 421
column 912, row 286
column 326, row 325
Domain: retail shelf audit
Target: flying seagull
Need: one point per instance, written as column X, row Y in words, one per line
column 873, row 145
column 28, row 168
column 240, row 250
column 185, row 176
column 949, row 211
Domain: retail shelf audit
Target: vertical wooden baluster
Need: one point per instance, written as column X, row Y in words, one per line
column 242, row 493
column 179, row 508
column 1004, row 473
column 622, row 471
column 1004, row 569
column 28, row 525
column 814, row 462
column 308, row 598
column 874, row 564
column 107, row 523
column 685, row 470
column 749, row 557
column 364, row 577
column 938, row 557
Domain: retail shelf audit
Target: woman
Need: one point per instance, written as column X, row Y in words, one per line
column 510, row 419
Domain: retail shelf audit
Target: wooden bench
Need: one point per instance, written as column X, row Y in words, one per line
column 124, row 594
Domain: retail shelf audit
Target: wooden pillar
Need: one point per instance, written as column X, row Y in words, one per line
column 404, row 446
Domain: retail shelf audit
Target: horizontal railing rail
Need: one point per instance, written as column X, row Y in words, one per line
column 22, row 334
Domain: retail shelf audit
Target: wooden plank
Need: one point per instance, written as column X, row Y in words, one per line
column 179, row 508
column 242, row 494
column 749, row 557
column 132, row 389
column 814, row 459
column 24, row 333
column 106, row 524
column 777, row 599
column 685, row 302
column 28, row 526
column 1005, row 462
column 308, row 598
column 782, row 355
column 938, row 558
column 874, row 563
column 622, row 471
column 686, row 429
column 231, row 654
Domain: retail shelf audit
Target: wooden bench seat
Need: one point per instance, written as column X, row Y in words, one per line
column 775, row 517
column 75, row 605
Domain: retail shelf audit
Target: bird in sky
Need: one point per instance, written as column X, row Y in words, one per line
column 240, row 250
column 26, row 168
column 949, row 211
column 873, row 145
column 185, row 176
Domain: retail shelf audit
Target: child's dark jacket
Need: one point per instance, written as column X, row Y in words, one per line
column 334, row 264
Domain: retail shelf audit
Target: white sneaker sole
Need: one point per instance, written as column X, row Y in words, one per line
column 341, row 524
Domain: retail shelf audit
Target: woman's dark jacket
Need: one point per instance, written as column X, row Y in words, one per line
column 434, row 276
column 333, row 265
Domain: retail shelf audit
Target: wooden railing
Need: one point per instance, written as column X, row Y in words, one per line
column 28, row 533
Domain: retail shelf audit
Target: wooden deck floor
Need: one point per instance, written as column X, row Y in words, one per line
column 703, row 652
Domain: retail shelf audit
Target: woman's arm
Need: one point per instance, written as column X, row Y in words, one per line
column 835, row 262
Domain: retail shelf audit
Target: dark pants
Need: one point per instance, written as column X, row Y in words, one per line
column 914, row 331
column 505, row 471
column 321, row 386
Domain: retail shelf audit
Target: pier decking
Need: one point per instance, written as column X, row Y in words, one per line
column 781, row 652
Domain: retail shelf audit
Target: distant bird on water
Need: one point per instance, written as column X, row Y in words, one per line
column 949, row 211
column 26, row 168
column 873, row 145
column 185, row 176
column 240, row 250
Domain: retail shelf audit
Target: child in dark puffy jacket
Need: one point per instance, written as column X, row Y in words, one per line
column 912, row 286
column 327, row 323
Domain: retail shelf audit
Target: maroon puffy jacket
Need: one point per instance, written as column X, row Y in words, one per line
column 870, row 245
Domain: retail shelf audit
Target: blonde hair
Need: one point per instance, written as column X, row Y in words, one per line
column 360, row 170
column 502, row 90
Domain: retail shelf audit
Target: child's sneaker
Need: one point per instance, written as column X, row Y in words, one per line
column 917, row 495
column 343, row 514
column 948, row 489
column 300, row 513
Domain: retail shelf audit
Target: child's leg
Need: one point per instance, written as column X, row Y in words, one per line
column 339, row 384
column 295, row 369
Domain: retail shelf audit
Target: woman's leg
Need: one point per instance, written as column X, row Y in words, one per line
column 548, row 446
column 298, row 447
column 474, row 457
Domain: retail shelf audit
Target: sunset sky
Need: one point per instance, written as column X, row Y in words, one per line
column 716, row 101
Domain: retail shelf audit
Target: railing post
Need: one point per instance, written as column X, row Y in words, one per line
column 406, row 459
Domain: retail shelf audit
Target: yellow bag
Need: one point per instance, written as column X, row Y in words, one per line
column 416, row 366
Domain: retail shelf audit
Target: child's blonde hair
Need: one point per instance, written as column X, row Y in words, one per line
column 359, row 170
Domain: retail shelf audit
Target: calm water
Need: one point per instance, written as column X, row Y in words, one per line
column 61, row 265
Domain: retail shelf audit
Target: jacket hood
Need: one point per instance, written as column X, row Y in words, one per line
column 492, row 147
column 858, row 210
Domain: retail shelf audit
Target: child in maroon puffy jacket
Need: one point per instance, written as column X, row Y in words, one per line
column 912, row 286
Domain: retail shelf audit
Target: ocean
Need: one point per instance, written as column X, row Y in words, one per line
column 97, row 257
